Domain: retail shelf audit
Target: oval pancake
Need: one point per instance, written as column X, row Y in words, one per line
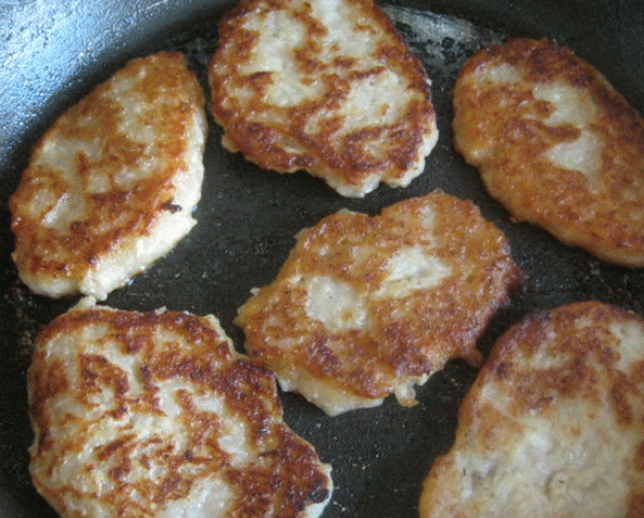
column 553, row 425
column 326, row 86
column 111, row 185
column 365, row 307
column 155, row 415
column 556, row 145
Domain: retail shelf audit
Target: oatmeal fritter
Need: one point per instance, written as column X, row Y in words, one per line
column 112, row 184
column 367, row 306
column 552, row 426
column 156, row 415
column 556, row 145
column 326, row 86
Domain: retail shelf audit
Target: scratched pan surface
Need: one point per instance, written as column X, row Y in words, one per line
column 53, row 52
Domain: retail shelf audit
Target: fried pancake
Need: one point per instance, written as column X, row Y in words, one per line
column 155, row 414
column 553, row 425
column 556, row 145
column 369, row 306
column 326, row 86
column 111, row 186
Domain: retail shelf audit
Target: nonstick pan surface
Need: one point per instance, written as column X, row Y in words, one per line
column 53, row 52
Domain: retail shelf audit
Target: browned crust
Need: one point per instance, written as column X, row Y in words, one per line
column 119, row 214
column 436, row 324
column 577, row 377
column 285, row 480
column 347, row 160
column 594, row 216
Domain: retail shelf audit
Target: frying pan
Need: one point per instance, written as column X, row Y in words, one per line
column 54, row 52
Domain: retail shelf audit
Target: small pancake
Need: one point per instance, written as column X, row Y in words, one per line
column 111, row 185
column 553, row 425
column 326, row 86
column 156, row 415
column 556, row 145
column 367, row 306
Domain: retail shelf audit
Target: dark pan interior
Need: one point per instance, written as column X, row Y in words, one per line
column 54, row 52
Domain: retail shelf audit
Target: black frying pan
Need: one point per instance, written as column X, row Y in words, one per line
column 53, row 52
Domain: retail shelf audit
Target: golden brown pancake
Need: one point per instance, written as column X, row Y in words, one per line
column 556, row 145
column 156, row 415
column 553, row 425
column 326, row 86
column 111, row 185
column 367, row 306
